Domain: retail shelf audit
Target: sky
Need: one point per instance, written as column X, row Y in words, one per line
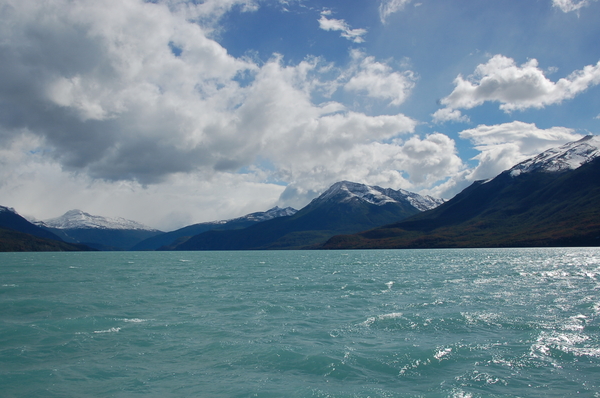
column 174, row 112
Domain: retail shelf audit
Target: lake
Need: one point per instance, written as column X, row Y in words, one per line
column 389, row 323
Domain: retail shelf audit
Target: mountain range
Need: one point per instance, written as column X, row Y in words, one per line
column 552, row 199
column 101, row 233
column 171, row 239
column 345, row 207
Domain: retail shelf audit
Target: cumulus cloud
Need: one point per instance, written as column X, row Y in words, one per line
column 209, row 12
column 37, row 186
column 571, row 5
column 135, row 98
column 378, row 80
column 412, row 164
column 449, row 115
column 101, row 84
column 504, row 145
column 518, row 87
column 388, row 7
column 354, row 35
column 500, row 147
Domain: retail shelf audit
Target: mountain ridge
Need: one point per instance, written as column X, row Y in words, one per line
column 345, row 206
column 167, row 239
column 569, row 156
column 553, row 200
column 18, row 234
column 77, row 219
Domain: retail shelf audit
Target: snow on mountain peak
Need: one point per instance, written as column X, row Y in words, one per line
column 345, row 191
column 270, row 214
column 264, row 215
column 9, row 209
column 77, row 219
column 567, row 157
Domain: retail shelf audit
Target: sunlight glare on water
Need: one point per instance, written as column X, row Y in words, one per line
column 397, row 323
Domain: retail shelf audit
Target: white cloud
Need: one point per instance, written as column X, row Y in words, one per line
column 378, row 80
column 571, row 5
column 449, row 115
column 354, row 35
column 388, row 7
column 518, row 87
column 414, row 164
column 38, row 186
column 135, row 111
column 503, row 146
column 208, row 12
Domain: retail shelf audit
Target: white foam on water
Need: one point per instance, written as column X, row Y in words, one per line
column 461, row 394
column 571, row 343
column 373, row 319
column 111, row 330
column 392, row 315
column 575, row 323
column 369, row 321
column 440, row 354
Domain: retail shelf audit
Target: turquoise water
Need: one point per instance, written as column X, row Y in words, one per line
column 423, row 323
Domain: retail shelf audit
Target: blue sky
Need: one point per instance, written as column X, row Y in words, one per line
column 172, row 112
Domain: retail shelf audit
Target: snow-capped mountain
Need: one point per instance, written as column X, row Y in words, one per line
column 261, row 216
column 77, row 219
column 346, row 191
column 552, row 199
column 346, row 207
column 8, row 209
column 567, row 157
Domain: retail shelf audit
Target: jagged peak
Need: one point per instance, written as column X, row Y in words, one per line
column 345, row 191
column 566, row 157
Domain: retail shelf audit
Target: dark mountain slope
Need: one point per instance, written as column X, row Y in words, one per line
column 537, row 208
column 102, row 233
column 14, row 241
column 104, row 239
column 9, row 219
column 181, row 235
column 343, row 208
column 17, row 234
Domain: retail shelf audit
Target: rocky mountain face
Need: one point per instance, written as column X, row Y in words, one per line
column 345, row 207
column 552, row 199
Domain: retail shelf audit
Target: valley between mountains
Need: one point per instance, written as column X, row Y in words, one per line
column 552, row 199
